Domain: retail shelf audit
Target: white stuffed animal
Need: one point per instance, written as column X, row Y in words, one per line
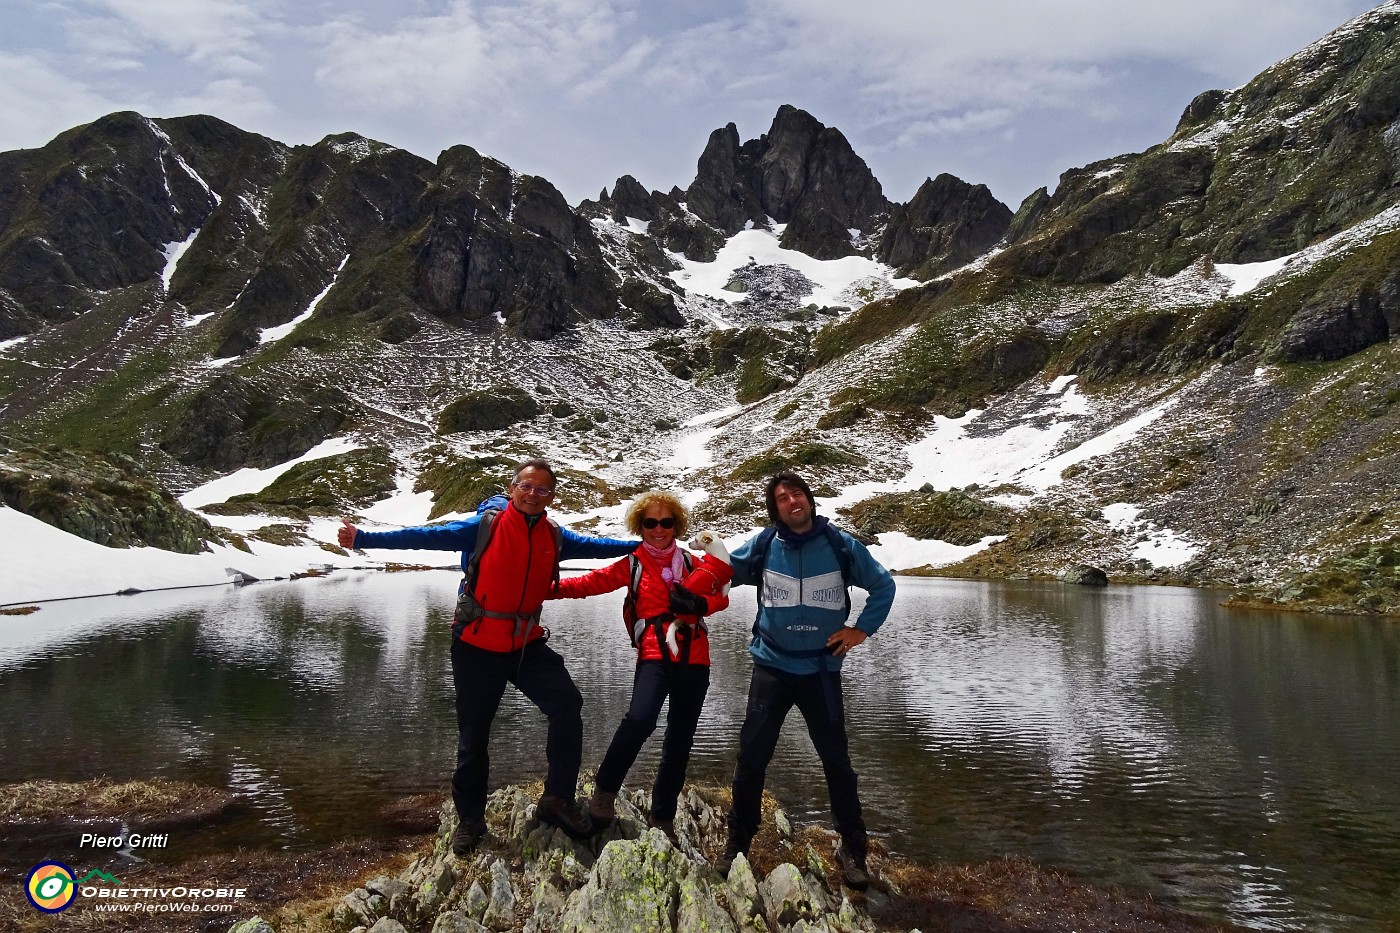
column 709, row 577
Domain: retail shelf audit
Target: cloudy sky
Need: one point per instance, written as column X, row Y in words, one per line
column 1008, row 93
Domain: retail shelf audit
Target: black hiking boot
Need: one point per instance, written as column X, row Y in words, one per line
column 850, row 855
column 735, row 846
column 467, row 836
column 565, row 814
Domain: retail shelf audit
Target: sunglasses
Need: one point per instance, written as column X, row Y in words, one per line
column 667, row 523
column 530, row 489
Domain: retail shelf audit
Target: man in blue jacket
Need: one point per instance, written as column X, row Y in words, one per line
column 802, row 566
column 497, row 639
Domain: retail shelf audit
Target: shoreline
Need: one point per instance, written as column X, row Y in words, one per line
column 333, row 887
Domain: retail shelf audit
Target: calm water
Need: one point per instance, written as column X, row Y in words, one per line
column 1239, row 765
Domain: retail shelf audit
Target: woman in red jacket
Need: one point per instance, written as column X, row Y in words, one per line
column 667, row 587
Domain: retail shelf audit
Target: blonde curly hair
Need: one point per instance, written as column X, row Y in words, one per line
column 659, row 497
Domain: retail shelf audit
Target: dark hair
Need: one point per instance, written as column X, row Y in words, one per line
column 539, row 464
column 785, row 478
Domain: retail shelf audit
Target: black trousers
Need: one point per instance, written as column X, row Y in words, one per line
column 653, row 681
column 772, row 693
column 480, row 678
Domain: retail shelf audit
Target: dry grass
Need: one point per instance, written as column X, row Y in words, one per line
column 18, row 610
column 153, row 802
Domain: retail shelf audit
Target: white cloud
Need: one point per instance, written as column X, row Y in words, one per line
column 40, row 101
column 476, row 58
column 224, row 35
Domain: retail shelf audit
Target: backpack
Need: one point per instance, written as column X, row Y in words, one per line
column 468, row 608
column 764, row 543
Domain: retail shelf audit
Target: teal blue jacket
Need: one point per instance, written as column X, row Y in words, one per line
column 803, row 600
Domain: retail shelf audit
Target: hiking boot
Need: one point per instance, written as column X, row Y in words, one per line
column 565, row 814
column 602, row 809
column 733, row 848
column 666, row 826
column 851, row 858
column 467, row 836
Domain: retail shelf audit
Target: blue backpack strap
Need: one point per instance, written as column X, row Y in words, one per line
column 843, row 558
column 762, row 544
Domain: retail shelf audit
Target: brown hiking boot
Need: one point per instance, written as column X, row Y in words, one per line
column 666, row 826
column 565, row 814
column 602, row 809
column 467, row 836
column 851, row 858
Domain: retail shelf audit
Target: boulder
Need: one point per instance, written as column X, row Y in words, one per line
column 634, row 886
column 1084, row 575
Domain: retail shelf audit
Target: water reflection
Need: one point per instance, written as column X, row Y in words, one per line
column 1239, row 765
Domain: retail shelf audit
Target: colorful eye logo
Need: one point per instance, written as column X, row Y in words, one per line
column 50, row 887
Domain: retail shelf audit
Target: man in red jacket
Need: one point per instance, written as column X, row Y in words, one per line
column 499, row 640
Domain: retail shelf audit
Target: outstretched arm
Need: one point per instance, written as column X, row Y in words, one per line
column 448, row 536
column 603, row 580
column 577, row 545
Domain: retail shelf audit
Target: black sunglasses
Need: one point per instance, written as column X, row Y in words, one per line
column 663, row 522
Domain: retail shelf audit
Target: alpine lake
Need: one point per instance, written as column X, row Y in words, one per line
column 1239, row 765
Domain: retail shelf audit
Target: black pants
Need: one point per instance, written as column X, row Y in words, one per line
column 772, row 693
column 480, row 678
column 686, row 684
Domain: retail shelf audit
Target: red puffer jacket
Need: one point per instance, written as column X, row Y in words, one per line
column 706, row 578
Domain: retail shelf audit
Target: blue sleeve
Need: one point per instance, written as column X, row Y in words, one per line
column 745, row 562
column 577, row 545
column 878, row 583
column 449, row 536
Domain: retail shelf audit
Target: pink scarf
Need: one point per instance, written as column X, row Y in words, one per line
column 672, row 556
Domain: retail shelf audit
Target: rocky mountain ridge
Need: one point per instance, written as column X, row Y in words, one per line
column 1196, row 341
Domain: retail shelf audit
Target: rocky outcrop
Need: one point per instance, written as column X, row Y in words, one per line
column 947, row 224
column 800, row 173
column 497, row 244
column 93, row 210
column 235, row 421
column 105, row 498
column 491, row 409
column 532, row 878
column 1303, row 151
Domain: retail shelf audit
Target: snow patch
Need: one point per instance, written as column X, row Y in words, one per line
column 1161, row 547
column 173, row 251
column 832, row 276
column 199, row 319
column 250, row 479
column 41, row 562
column 1245, row 277
column 12, row 342
column 898, row 551
column 272, row 334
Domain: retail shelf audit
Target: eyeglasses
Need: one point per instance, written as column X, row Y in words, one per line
column 667, row 523
column 530, row 489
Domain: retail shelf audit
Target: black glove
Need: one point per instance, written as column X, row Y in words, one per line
column 686, row 603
